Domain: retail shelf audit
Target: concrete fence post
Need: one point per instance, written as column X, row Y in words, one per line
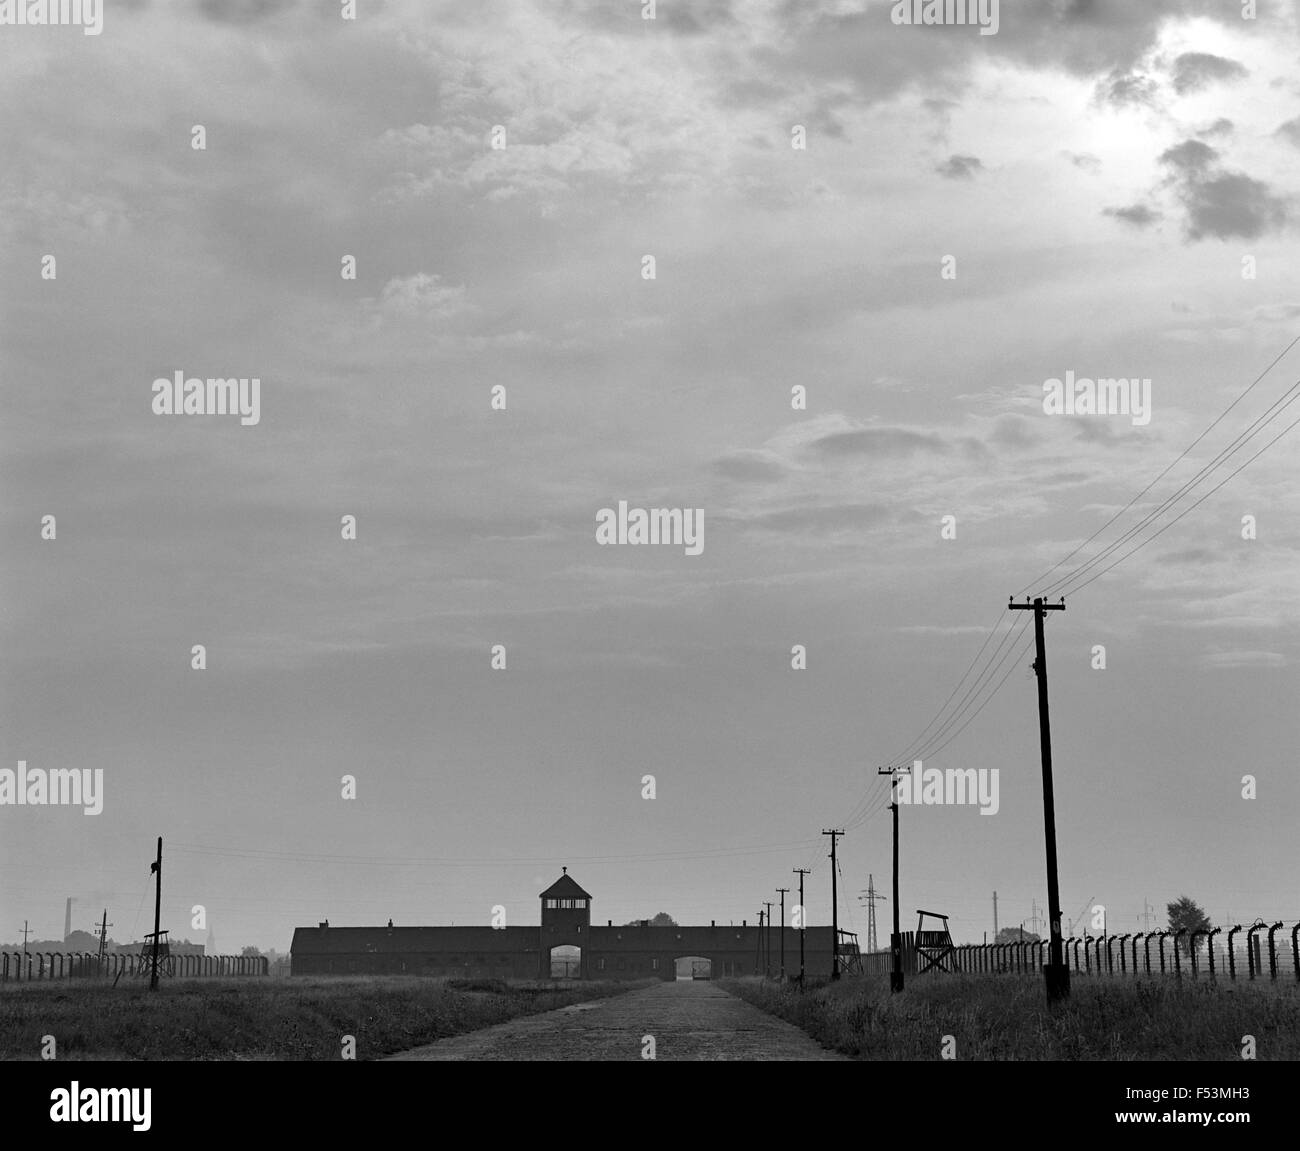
column 1250, row 946
column 1272, row 952
column 1232, row 955
column 1178, row 963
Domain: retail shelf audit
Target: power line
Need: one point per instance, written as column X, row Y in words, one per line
column 1029, row 586
column 1224, row 454
column 1206, row 496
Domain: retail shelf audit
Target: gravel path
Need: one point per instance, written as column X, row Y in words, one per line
column 687, row 1019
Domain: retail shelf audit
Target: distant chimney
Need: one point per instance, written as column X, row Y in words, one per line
column 713, row 923
column 744, row 923
column 67, row 919
column 325, row 923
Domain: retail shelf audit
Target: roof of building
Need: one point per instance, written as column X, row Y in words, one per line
column 564, row 888
column 388, row 940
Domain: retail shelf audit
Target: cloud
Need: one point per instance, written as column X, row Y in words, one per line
column 1196, row 70
column 1189, row 156
column 1221, row 203
column 822, row 519
column 1291, row 131
column 1139, row 215
column 885, row 442
column 960, row 167
column 1121, row 89
column 750, row 466
column 243, row 11
column 422, row 294
column 1014, row 432
column 1224, row 660
column 1220, row 127
column 1085, row 160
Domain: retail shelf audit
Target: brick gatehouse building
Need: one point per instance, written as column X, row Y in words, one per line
column 565, row 945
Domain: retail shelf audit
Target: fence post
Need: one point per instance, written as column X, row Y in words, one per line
column 1272, row 953
column 1295, row 950
column 1178, row 963
column 1123, row 967
column 1209, row 947
column 1193, row 950
column 1250, row 947
column 1161, row 936
column 1232, row 958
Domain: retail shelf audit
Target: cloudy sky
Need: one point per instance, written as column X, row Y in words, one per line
column 1097, row 174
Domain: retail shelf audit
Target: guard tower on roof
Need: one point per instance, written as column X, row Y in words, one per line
column 566, row 925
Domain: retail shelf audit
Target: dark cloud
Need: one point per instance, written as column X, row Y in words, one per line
column 1196, row 70
column 885, row 442
column 1126, row 88
column 1191, row 156
column 1139, row 215
column 960, row 167
column 1232, row 205
column 1218, row 202
column 1290, row 131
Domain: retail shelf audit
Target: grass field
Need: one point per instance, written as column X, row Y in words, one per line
column 301, row 1018
column 1006, row 1018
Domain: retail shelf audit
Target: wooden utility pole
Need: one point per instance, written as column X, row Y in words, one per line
column 767, row 941
column 758, row 949
column 835, row 907
column 26, row 933
column 1056, row 973
column 783, row 890
column 157, row 916
column 896, row 940
column 803, row 917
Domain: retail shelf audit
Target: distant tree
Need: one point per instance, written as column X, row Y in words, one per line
column 1013, row 935
column 662, row 919
column 250, row 950
column 1186, row 915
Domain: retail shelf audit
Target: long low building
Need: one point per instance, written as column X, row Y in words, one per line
column 565, row 945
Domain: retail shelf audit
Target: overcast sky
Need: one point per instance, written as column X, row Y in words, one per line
column 1099, row 171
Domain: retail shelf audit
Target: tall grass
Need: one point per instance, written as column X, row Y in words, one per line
column 1007, row 1018
column 300, row 1018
